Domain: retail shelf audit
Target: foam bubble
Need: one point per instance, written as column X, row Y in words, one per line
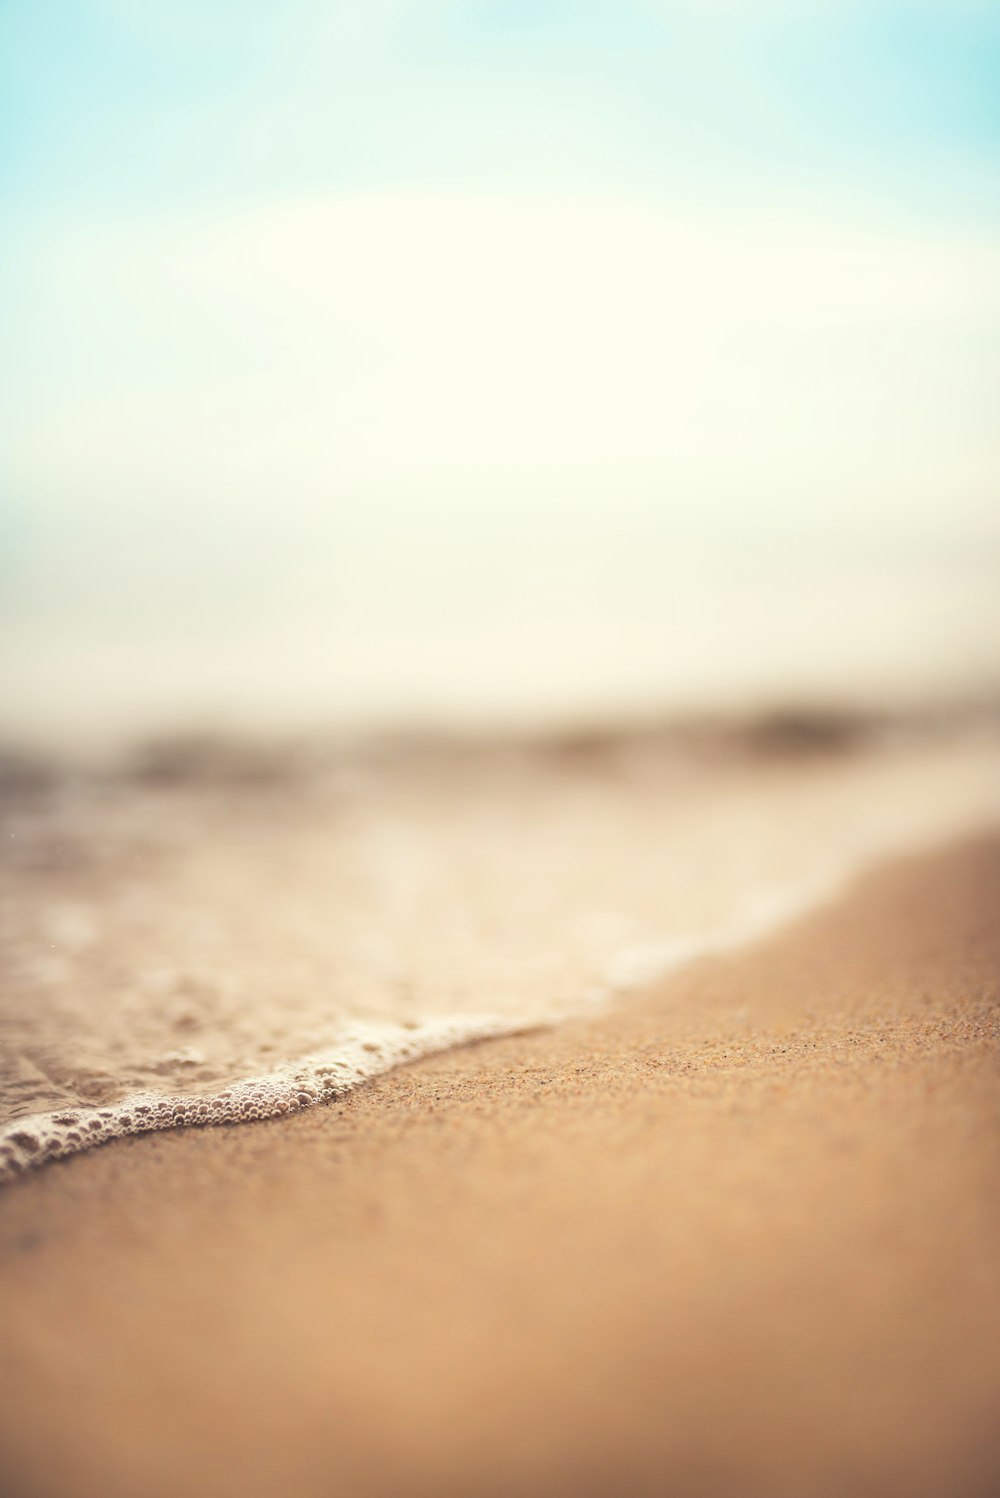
column 362, row 1052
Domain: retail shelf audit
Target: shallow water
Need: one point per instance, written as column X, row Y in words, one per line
column 212, row 947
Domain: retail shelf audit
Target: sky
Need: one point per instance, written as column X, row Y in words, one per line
column 421, row 358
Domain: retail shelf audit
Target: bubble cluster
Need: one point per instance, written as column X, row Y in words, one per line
column 360, row 1053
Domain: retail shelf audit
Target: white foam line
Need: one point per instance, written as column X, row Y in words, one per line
column 363, row 1051
column 641, row 963
column 367, row 1050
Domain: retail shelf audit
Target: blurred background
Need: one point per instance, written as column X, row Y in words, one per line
column 450, row 362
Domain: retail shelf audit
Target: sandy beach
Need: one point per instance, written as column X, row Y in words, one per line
column 739, row 1233
column 500, row 750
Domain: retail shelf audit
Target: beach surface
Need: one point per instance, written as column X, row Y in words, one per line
column 738, row 1232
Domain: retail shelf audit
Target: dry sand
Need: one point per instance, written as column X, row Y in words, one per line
column 738, row 1235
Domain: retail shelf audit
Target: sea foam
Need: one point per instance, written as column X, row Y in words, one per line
column 212, row 955
column 362, row 1052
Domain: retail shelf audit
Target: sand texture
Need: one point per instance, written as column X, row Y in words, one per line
column 739, row 1234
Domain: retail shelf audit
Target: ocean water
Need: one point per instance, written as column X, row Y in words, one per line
column 214, row 940
column 462, row 620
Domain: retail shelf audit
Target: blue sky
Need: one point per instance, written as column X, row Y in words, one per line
column 121, row 102
column 349, row 325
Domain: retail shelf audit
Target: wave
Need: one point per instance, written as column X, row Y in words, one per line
column 647, row 843
column 362, row 1052
column 367, row 1050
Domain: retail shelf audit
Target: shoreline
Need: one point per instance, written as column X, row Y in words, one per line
column 736, row 1234
column 366, row 1052
column 214, row 948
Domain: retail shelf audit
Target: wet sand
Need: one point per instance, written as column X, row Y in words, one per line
column 738, row 1234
